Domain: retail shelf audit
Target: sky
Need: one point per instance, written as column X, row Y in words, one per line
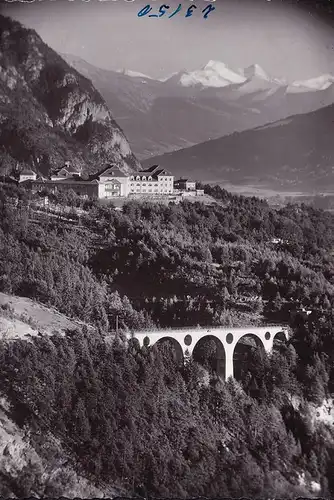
column 288, row 41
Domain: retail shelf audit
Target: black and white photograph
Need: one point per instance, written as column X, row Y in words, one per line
column 167, row 249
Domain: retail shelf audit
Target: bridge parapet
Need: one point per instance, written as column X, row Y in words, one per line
column 204, row 328
column 188, row 337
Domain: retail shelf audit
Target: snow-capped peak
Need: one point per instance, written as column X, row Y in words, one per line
column 213, row 74
column 218, row 74
column 255, row 71
column 133, row 74
column 321, row 82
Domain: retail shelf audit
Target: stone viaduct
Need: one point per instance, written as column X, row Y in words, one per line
column 186, row 339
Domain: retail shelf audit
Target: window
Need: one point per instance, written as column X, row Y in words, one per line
column 143, row 178
column 150, row 178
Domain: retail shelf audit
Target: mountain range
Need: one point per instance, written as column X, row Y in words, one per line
column 296, row 153
column 49, row 113
column 191, row 107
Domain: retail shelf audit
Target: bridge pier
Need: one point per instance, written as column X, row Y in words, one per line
column 226, row 340
column 229, row 366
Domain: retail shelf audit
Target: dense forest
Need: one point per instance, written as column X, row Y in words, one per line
column 136, row 418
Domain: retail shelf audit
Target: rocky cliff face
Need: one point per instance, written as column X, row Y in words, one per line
column 49, row 113
column 47, row 472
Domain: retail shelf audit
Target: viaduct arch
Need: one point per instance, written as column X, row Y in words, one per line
column 188, row 338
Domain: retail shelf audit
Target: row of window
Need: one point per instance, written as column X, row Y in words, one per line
column 150, row 190
column 138, row 178
column 149, row 178
column 154, row 185
column 110, row 194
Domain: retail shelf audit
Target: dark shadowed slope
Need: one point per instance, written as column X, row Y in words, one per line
column 296, row 153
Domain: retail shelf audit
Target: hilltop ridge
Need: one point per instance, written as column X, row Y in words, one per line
column 292, row 154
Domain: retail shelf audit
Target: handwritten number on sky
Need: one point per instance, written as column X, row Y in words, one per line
column 165, row 9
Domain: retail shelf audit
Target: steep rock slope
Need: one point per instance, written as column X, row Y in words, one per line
column 24, row 471
column 49, row 113
column 40, row 467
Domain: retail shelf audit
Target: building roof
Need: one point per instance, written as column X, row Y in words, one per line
column 61, row 172
column 76, row 180
column 71, row 180
column 112, row 171
column 163, row 172
column 183, row 179
column 72, row 169
column 153, row 171
column 71, row 176
column 69, row 169
column 149, row 170
column 27, row 171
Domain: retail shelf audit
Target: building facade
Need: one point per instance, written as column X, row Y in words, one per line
column 113, row 182
column 66, row 172
column 154, row 180
column 27, row 175
column 185, row 184
column 109, row 183
column 86, row 189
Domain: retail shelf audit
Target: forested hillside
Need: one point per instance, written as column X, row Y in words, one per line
column 136, row 418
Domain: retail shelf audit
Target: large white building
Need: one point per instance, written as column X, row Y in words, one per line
column 185, row 184
column 154, row 180
column 109, row 183
column 113, row 183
